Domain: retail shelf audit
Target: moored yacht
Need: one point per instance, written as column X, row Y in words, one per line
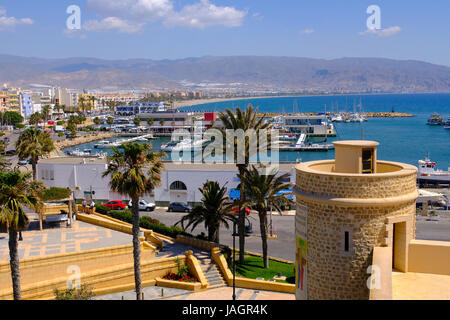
column 428, row 174
column 447, row 124
column 435, row 120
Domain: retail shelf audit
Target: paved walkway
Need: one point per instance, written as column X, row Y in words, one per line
column 60, row 239
column 420, row 286
column 224, row 293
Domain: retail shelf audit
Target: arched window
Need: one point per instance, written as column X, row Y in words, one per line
column 178, row 185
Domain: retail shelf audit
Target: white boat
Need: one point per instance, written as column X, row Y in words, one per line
column 104, row 144
column 447, row 124
column 79, row 153
column 428, row 174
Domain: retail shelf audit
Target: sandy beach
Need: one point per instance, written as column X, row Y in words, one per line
column 188, row 103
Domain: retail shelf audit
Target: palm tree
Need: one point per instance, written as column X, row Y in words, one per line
column 81, row 104
column 16, row 191
column 264, row 191
column 4, row 163
column 134, row 172
column 35, row 118
column 137, row 121
column 150, row 122
column 45, row 112
column 214, row 211
column 242, row 120
column 97, row 120
column 33, row 144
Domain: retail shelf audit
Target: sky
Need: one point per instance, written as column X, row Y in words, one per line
column 176, row 29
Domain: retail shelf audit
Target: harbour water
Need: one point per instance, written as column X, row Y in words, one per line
column 401, row 139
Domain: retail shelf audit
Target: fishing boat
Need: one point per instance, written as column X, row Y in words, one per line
column 435, row 120
column 447, row 124
column 429, row 174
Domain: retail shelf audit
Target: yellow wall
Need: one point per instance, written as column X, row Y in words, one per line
column 429, row 257
column 54, row 266
column 381, row 275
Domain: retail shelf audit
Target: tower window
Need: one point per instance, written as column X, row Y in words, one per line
column 367, row 161
column 347, row 241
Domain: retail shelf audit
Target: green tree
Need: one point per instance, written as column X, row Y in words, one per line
column 134, row 172
column 16, row 191
column 213, row 211
column 110, row 120
column 263, row 191
column 33, row 144
column 162, row 122
column 243, row 120
column 137, row 121
column 97, row 120
column 45, row 113
column 4, row 163
column 35, row 118
column 150, row 122
column 12, row 118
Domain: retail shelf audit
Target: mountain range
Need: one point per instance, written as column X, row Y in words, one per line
column 249, row 72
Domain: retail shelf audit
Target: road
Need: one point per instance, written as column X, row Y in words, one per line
column 284, row 226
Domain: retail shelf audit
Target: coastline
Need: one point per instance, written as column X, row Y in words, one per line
column 191, row 103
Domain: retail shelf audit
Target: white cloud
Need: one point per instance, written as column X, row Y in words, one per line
column 307, row 31
column 112, row 23
column 258, row 16
column 118, row 14
column 143, row 10
column 382, row 32
column 205, row 14
column 10, row 22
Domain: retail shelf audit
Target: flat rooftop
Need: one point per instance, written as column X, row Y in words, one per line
column 172, row 166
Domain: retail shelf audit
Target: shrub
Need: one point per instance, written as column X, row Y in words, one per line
column 55, row 193
column 60, row 123
column 102, row 209
column 84, row 293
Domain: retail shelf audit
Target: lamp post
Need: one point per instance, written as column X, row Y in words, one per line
column 234, row 259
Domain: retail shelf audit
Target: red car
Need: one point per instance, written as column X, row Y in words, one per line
column 115, row 205
column 236, row 210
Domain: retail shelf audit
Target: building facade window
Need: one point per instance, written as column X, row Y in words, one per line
column 178, row 186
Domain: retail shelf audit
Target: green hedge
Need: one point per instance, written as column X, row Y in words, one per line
column 144, row 222
column 54, row 194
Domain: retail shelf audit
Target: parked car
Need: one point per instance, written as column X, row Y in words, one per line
column 10, row 152
column 24, row 162
column 236, row 210
column 143, row 205
column 179, row 207
column 115, row 205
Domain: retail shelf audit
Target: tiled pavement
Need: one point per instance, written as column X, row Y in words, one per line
column 61, row 239
column 224, row 293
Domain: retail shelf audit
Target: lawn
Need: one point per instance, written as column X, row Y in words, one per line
column 253, row 268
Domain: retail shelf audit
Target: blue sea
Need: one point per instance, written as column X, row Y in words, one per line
column 401, row 139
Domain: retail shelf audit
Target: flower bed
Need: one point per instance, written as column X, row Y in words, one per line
column 175, row 277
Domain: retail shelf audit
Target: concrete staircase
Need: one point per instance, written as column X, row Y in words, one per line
column 210, row 270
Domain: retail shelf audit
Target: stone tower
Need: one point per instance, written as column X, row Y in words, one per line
column 345, row 208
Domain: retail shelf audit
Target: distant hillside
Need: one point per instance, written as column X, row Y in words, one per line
column 289, row 73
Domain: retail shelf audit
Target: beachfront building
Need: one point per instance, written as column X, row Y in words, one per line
column 180, row 183
column 26, row 104
column 3, row 101
column 355, row 230
column 310, row 125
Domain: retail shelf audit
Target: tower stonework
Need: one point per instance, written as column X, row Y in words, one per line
column 345, row 208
